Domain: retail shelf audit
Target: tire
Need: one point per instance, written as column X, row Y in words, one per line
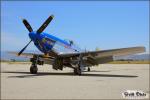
column 88, row 69
column 77, row 71
column 33, row 69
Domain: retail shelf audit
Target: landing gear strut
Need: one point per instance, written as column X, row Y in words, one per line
column 33, row 68
column 79, row 68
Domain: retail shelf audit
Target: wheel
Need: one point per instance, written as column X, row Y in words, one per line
column 89, row 69
column 33, row 69
column 77, row 71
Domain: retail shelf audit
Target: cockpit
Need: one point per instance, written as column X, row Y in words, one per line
column 73, row 44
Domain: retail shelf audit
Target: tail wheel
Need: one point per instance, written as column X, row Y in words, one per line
column 33, row 69
column 88, row 69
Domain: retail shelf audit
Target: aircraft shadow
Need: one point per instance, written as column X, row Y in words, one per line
column 64, row 74
column 96, row 71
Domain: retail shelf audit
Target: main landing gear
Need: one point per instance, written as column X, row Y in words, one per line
column 33, row 69
column 35, row 61
column 77, row 71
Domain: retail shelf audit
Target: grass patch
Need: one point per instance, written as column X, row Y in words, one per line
column 16, row 62
column 131, row 62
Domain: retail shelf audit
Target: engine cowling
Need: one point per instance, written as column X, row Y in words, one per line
column 58, row 64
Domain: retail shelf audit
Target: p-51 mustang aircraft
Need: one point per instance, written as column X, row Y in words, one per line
column 61, row 53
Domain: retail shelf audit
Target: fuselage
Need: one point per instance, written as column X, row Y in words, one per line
column 46, row 43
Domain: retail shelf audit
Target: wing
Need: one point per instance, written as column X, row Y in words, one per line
column 104, row 56
column 25, row 54
column 45, row 58
column 105, row 53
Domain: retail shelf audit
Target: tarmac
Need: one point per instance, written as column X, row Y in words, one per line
column 106, row 81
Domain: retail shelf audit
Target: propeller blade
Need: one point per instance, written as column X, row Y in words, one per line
column 23, row 49
column 45, row 24
column 25, row 22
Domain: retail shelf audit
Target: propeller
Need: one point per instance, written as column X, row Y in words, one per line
column 45, row 24
column 24, row 48
column 25, row 22
column 40, row 30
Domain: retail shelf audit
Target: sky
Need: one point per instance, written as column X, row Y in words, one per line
column 91, row 24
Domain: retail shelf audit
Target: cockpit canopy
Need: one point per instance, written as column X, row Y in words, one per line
column 71, row 42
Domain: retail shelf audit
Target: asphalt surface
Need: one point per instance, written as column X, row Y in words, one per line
column 106, row 81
